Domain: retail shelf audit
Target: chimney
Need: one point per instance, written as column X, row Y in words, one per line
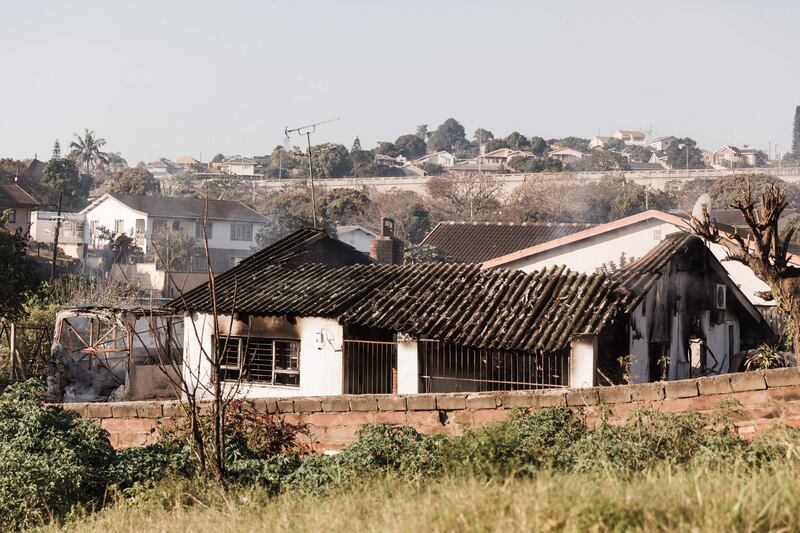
column 387, row 248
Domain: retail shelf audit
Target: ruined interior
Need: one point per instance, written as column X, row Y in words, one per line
column 102, row 354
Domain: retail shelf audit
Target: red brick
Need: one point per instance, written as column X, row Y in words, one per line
column 784, row 394
column 580, row 397
column 271, row 406
column 483, row 401
column 617, row 394
column 285, row 406
column 487, row 416
column 98, row 410
column 390, row 417
column 421, row 403
column 715, row 385
column 680, row 389
column 363, row 403
column 783, row 377
column 322, row 419
column 307, row 406
column 340, row 435
column 124, row 410
column 354, row 418
column 451, row 402
column 648, row 392
column 464, row 417
column 292, row 418
column 419, row 419
column 748, row 381
column 335, row 404
column 551, row 398
column 391, row 403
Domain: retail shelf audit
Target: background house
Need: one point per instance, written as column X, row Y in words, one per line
column 19, row 205
column 441, row 158
column 73, row 234
column 241, row 166
column 630, row 137
column 358, row 237
column 232, row 226
column 566, row 155
column 599, row 141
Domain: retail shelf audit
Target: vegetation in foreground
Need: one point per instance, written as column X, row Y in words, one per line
column 544, row 470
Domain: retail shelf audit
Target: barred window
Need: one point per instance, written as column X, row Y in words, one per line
column 198, row 229
column 259, row 360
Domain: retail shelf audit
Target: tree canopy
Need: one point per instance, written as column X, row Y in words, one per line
column 449, row 136
column 684, row 151
column 62, row 176
column 410, row 146
column 136, row 181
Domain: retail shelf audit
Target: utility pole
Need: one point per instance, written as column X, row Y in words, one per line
column 55, row 240
column 307, row 131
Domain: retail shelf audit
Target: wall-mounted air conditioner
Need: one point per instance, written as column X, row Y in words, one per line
column 719, row 296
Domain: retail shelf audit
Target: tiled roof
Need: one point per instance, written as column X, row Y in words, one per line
column 475, row 242
column 12, row 195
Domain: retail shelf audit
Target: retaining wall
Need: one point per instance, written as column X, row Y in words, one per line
column 768, row 398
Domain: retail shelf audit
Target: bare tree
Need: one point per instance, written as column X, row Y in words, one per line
column 464, row 196
column 761, row 248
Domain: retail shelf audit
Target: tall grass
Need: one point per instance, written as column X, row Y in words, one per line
column 663, row 499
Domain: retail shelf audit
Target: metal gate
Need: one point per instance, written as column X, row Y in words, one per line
column 447, row 367
column 370, row 367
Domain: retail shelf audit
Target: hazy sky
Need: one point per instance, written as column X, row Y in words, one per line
column 168, row 78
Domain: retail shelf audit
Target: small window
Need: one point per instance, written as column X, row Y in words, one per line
column 119, row 226
column 241, row 232
column 199, row 263
column 159, row 225
column 259, row 360
column 12, row 215
column 198, row 229
column 176, row 225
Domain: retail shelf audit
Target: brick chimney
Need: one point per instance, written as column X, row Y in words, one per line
column 387, row 248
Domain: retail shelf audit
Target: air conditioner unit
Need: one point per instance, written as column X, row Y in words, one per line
column 720, row 296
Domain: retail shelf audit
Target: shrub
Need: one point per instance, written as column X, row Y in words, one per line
column 50, row 460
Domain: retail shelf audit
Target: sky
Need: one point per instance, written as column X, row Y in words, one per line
column 171, row 78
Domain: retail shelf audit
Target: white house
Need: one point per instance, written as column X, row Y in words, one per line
column 731, row 155
column 163, row 168
column 240, row 166
column 659, row 144
column 599, row 141
column 231, row 226
column 358, row 237
column 501, row 156
column 630, row 137
column 441, row 158
column 73, row 234
column 566, row 155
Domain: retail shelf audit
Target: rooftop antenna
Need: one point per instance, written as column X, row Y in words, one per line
column 307, row 130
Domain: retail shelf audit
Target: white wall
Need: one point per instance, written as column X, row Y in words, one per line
column 583, row 362
column 407, row 367
column 357, row 238
column 635, row 240
column 321, row 361
column 108, row 211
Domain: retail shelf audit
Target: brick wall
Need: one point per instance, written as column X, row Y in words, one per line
column 767, row 398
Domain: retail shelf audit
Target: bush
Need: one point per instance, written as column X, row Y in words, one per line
column 50, row 460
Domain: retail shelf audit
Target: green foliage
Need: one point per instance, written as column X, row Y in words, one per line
column 517, row 141
column 576, row 143
column 17, row 272
column 432, row 169
column 764, row 358
column 495, row 144
column 174, row 250
column 62, row 176
column 86, row 150
column 287, row 210
column 344, row 206
column 137, row 181
column 449, row 136
column 601, row 160
column 410, row 146
column 423, row 253
column 682, row 151
column 330, row 161
column 538, row 146
column 50, row 459
column 536, row 164
column 796, row 134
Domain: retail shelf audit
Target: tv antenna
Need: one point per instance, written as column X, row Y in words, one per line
column 307, row 130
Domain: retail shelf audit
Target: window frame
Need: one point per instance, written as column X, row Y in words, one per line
column 246, row 231
column 241, row 344
column 12, row 216
column 198, row 229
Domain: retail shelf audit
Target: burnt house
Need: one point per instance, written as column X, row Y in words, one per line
column 312, row 329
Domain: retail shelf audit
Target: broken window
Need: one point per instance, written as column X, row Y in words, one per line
column 259, row 360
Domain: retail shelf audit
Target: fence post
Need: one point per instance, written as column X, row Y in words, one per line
column 583, row 362
column 12, row 348
column 407, row 365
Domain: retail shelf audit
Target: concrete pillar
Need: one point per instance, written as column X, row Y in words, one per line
column 583, row 362
column 407, row 367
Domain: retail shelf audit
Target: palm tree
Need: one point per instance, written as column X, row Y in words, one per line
column 86, row 150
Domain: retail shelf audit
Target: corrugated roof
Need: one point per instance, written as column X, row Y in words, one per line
column 190, row 208
column 475, row 242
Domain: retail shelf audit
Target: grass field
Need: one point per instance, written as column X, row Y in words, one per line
column 662, row 500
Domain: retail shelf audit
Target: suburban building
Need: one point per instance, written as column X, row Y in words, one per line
column 631, row 137
column 19, row 205
column 73, row 233
column 356, row 236
column 186, row 162
column 476, row 242
column 163, row 168
column 314, row 330
column 599, row 141
column 731, row 155
column 241, row 166
column 566, row 155
column 231, row 226
column 441, row 158
column 659, row 144
column 501, row 156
